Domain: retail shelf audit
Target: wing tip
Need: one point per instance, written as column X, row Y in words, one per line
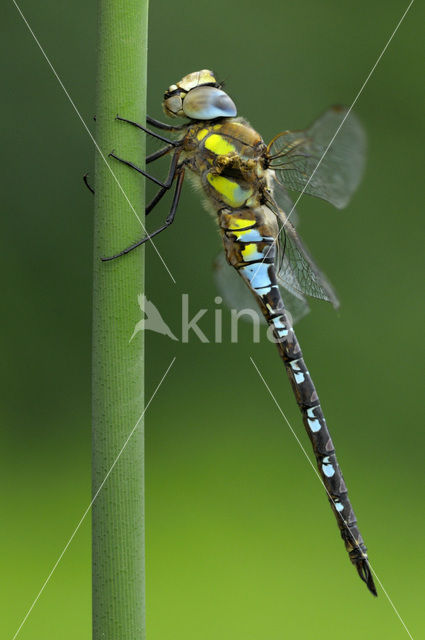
column 335, row 303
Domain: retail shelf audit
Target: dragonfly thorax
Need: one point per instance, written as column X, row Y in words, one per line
column 228, row 160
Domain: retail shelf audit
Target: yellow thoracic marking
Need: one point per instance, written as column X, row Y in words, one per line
column 219, row 145
column 241, row 223
column 202, row 133
column 231, row 192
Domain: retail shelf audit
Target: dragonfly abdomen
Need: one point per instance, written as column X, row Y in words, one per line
column 323, row 447
column 248, row 237
column 317, row 430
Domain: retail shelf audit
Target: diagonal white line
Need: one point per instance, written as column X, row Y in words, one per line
column 360, row 91
column 102, row 484
column 329, row 495
column 91, row 135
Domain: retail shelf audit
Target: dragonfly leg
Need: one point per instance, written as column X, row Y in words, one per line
column 152, row 204
column 150, row 158
column 172, row 172
column 163, row 126
column 165, row 185
column 174, row 143
column 158, row 154
column 169, row 220
column 86, row 182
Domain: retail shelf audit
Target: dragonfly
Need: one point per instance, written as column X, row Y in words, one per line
column 244, row 183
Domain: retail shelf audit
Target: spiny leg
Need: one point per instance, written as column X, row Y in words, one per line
column 174, row 143
column 158, row 154
column 86, row 182
column 162, row 125
column 154, row 156
column 151, row 158
column 171, row 172
column 154, row 123
column 169, row 220
column 152, row 204
column 149, row 207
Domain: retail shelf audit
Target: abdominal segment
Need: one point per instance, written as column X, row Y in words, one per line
column 249, row 244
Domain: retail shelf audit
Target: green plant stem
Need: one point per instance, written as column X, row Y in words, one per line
column 118, row 363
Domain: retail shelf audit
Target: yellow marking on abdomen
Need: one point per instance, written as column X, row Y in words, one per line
column 241, row 223
column 201, row 134
column 231, row 192
column 250, row 252
column 219, row 145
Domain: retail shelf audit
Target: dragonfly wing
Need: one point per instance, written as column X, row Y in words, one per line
column 295, row 303
column 285, row 204
column 237, row 295
column 327, row 160
column 297, row 271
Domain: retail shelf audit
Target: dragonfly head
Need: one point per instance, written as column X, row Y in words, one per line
column 198, row 96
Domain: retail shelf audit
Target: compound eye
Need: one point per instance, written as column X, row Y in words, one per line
column 207, row 103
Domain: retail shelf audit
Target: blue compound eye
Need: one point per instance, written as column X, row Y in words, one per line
column 207, row 103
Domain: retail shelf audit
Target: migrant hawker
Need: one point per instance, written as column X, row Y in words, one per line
column 244, row 182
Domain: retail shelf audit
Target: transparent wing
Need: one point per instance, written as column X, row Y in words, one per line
column 297, row 157
column 237, row 295
column 284, row 203
column 297, row 272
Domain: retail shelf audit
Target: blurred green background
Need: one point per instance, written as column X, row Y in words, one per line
column 241, row 543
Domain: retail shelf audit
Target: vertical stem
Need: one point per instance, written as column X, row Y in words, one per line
column 118, row 392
